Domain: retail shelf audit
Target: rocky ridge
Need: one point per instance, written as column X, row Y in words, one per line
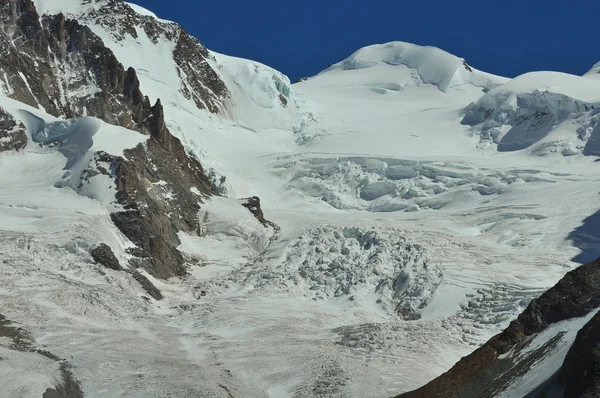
column 57, row 64
column 198, row 80
column 492, row 368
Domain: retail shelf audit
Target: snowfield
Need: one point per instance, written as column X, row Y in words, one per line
column 421, row 204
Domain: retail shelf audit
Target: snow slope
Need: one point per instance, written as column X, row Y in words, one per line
column 432, row 65
column 344, row 300
column 558, row 338
column 593, row 73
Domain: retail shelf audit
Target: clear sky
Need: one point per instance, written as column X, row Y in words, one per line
column 506, row 38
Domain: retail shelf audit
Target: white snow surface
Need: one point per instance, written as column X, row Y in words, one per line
column 433, row 65
column 405, row 243
column 553, row 82
column 141, row 10
column 593, row 73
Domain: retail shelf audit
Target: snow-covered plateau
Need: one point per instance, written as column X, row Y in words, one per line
column 415, row 206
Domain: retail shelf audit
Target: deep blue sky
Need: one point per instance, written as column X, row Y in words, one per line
column 506, row 37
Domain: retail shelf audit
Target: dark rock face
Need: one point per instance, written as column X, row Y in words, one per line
column 12, row 136
column 283, row 100
column 483, row 373
column 200, row 82
column 103, row 254
column 253, row 205
column 20, row 340
column 147, row 285
column 467, row 67
column 580, row 374
column 64, row 67
column 160, row 188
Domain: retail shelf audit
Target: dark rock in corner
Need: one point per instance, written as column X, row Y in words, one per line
column 580, row 374
column 486, row 372
column 103, row 254
column 20, row 340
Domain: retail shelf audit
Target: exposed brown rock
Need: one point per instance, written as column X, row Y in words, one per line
column 103, row 254
column 154, row 183
column 283, row 100
column 38, row 54
column 147, row 285
column 482, row 373
column 20, row 340
column 253, row 205
column 467, row 67
column 199, row 80
column 580, row 374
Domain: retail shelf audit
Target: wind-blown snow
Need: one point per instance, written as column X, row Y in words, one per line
column 58, row 202
column 262, row 98
column 230, row 235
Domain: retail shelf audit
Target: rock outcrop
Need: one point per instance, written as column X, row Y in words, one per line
column 580, row 374
column 253, row 205
column 103, row 254
column 12, row 135
column 198, row 80
column 57, row 64
column 160, row 188
column 490, row 369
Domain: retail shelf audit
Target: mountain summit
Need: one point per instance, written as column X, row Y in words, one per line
column 432, row 65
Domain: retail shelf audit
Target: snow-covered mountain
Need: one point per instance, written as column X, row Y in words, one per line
column 594, row 73
column 178, row 222
column 432, row 66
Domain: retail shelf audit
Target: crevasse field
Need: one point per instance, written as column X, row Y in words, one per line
column 421, row 207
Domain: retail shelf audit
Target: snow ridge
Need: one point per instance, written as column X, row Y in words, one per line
column 593, row 73
column 433, row 65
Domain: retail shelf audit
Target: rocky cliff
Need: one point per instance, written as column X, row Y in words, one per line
column 528, row 358
column 54, row 63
